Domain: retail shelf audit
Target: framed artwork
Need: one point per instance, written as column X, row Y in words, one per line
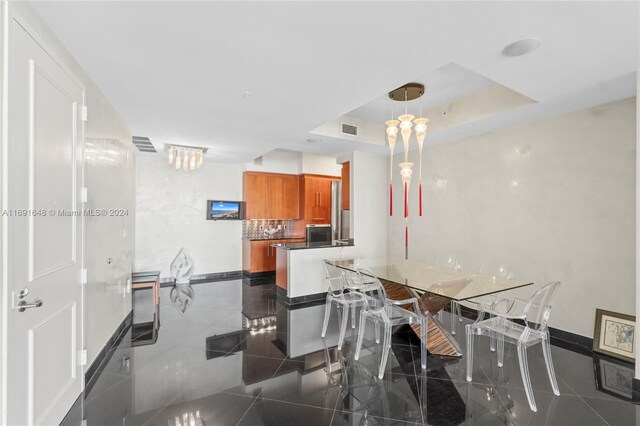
column 613, row 377
column 614, row 335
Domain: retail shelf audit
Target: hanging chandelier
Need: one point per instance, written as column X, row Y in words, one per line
column 186, row 158
column 404, row 125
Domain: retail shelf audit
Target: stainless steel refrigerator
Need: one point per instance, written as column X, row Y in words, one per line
column 340, row 219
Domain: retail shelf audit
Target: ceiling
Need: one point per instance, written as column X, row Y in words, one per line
column 176, row 71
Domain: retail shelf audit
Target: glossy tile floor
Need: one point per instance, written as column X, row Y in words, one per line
column 236, row 356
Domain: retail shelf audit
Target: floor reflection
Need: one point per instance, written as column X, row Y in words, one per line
column 235, row 355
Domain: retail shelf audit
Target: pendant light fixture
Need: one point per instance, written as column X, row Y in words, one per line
column 187, row 158
column 406, row 122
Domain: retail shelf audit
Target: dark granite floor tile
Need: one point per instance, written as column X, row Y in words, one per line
column 276, row 413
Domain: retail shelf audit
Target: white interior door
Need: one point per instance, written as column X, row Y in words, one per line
column 44, row 245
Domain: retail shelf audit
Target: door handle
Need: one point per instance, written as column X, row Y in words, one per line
column 22, row 306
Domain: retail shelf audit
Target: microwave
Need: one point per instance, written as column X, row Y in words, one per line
column 318, row 234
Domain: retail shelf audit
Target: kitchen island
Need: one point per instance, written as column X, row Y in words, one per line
column 300, row 274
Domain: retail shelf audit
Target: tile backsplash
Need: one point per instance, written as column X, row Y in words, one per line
column 257, row 228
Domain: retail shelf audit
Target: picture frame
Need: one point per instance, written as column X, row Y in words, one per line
column 613, row 377
column 614, row 335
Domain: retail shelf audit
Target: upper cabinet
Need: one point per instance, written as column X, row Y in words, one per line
column 270, row 196
column 315, row 190
column 346, row 179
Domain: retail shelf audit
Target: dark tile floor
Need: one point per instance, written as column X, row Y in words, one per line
column 237, row 356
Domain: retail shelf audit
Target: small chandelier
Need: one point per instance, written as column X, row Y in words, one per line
column 405, row 123
column 184, row 157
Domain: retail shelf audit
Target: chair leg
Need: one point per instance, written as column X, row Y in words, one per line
column 453, row 316
column 469, row 333
column 459, row 311
column 526, row 380
column 343, row 325
column 353, row 316
column 423, row 342
column 327, row 313
column 492, row 341
column 377, row 327
column 500, row 350
column 385, row 350
column 361, row 330
column 546, row 350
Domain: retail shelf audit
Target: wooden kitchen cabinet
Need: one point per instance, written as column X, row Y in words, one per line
column 253, row 195
column 346, row 179
column 316, row 192
column 259, row 256
column 270, row 196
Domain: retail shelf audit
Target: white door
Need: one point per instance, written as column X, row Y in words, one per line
column 45, row 244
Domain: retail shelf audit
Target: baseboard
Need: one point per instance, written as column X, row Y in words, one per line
column 636, row 390
column 205, row 278
column 300, row 301
column 105, row 354
column 249, row 274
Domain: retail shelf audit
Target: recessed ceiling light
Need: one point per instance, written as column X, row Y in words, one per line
column 247, row 94
column 522, row 47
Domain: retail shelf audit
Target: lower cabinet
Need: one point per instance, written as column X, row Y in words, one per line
column 259, row 256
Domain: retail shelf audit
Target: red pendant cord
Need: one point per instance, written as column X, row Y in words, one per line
column 420, row 198
column 406, row 202
column 390, row 199
column 406, row 242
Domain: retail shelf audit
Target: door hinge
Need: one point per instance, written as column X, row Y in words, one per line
column 83, row 276
column 82, row 357
column 84, row 195
column 85, row 113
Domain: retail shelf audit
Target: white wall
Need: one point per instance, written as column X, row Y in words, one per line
column 295, row 162
column 368, row 203
column 171, row 214
column 278, row 161
column 320, row 165
column 637, row 371
column 554, row 198
column 108, row 170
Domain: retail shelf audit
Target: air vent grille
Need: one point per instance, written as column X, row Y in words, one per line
column 143, row 144
column 349, row 129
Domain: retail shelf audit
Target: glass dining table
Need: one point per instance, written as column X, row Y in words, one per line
column 435, row 287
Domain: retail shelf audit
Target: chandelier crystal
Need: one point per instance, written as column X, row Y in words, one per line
column 187, row 158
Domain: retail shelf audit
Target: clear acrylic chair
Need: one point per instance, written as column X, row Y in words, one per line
column 388, row 313
column 336, row 294
column 535, row 314
column 483, row 303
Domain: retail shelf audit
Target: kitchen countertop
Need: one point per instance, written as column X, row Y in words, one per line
column 305, row 246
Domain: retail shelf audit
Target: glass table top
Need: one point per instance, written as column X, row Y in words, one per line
column 447, row 282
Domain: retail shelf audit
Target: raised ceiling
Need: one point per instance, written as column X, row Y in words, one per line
column 177, row 71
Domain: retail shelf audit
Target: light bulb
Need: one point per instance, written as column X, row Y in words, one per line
column 170, row 155
column 178, row 160
column 392, row 132
column 421, row 129
column 185, row 161
column 192, row 164
column 405, row 131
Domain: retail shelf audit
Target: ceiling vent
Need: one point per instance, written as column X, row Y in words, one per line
column 143, row 144
column 349, row 129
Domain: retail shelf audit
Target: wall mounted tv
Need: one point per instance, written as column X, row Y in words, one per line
column 225, row 210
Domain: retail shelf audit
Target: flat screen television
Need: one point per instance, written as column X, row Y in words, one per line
column 225, row 210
